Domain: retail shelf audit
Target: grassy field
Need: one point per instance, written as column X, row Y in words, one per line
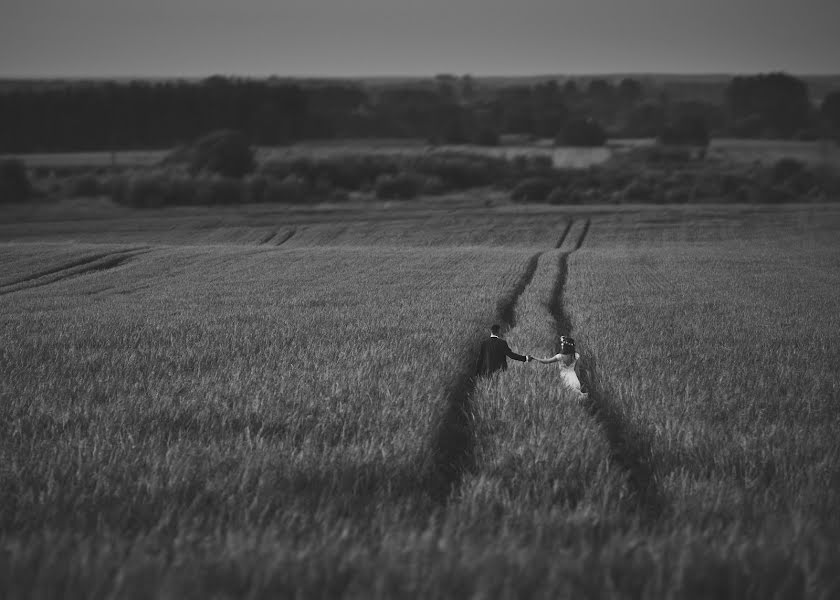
column 263, row 402
column 734, row 150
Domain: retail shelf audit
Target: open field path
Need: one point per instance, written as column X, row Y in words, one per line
column 453, row 445
column 463, row 431
column 523, row 436
column 77, row 267
column 627, row 448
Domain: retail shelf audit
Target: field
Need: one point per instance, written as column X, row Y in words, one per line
column 736, row 150
column 270, row 401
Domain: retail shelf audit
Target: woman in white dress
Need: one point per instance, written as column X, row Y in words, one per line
column 567, row 360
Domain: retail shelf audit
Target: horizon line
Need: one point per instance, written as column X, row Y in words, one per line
column 30, row 77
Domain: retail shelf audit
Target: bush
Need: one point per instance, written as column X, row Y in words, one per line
column 82, row 186
column 778, row 194
column 14, row 182
column 290, row 190
column 638, row 191
column 582, row 133
column 148, row 190
column 534, row 189
column 433, row 185
column 461, row 171
column 275, row 169
column 785, row 169
column 559, row 195
column 216, row 190
column 225, row 153
column 665, row 155
column 401, row 186
column 688, row 130
column 487, row 137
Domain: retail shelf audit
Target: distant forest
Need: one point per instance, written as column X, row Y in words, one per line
column 115, row 115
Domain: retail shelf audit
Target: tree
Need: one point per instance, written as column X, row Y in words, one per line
column 780, row 101
column 600, row 90
column 582, row 132
column 645, row 120
column 467, row 88
column 690, row 130
column 630, row 91
column 14, row 183
column 830, row 111
column 222, row 152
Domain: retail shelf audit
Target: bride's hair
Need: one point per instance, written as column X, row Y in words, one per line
column 567, row 345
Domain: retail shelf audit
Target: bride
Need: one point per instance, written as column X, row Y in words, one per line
column 568, row 361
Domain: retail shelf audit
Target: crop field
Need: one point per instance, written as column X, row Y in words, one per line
column 562, row 157
column 769, row 151
column 268, row 401
column 727, row 150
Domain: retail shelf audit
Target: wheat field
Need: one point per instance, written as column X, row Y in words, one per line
column 265, row 402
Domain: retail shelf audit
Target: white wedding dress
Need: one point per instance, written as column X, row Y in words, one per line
column 568, row 376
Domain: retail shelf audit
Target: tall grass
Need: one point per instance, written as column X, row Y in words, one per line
column 203, row 397
column 213, row 419
column 717, row 360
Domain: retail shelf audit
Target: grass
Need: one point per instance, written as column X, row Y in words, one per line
column 562, row 157
column 188, row 410
column 741, row 150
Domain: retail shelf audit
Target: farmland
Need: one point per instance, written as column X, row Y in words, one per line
column 737, row 150
column 271, row 401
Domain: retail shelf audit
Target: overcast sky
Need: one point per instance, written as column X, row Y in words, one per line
column 420, row 37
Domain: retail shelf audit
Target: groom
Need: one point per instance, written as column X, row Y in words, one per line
column 494, row 352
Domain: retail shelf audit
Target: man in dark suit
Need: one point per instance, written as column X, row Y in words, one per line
column 494, row 354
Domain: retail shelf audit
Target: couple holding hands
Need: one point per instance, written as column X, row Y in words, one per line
column 495, row 352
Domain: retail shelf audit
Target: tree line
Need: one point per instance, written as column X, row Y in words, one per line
column 444, row 109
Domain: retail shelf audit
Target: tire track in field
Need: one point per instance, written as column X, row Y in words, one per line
column 563, row 235
column 282, row 240
column 63, row 267
column 583, row 233
column 76, row 268
column 454, row 440
column 627, row 448
column 268, row 237
column 276, row 238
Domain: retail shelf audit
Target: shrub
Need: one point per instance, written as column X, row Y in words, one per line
column 688, row 130
column 638, row 191
column 253, row 188
column 14, row 182
column 778, row 194
column 785, row 169
column 487, row 137
column 582, row 133
column 559, row 195
column 677, row 194
column 217, row 190
column 403, row 186
column 81, row 186
column 665, row 155
column 339, row 196
column 461, row 171
column 275, row 168
column 147, row 190
column 534, row 189
column 225, row 153
column 433, row 185
column 290, row 190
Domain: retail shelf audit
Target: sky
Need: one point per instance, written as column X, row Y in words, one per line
column 348, row 38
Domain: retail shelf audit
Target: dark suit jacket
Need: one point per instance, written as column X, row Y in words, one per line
column 493, row 356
